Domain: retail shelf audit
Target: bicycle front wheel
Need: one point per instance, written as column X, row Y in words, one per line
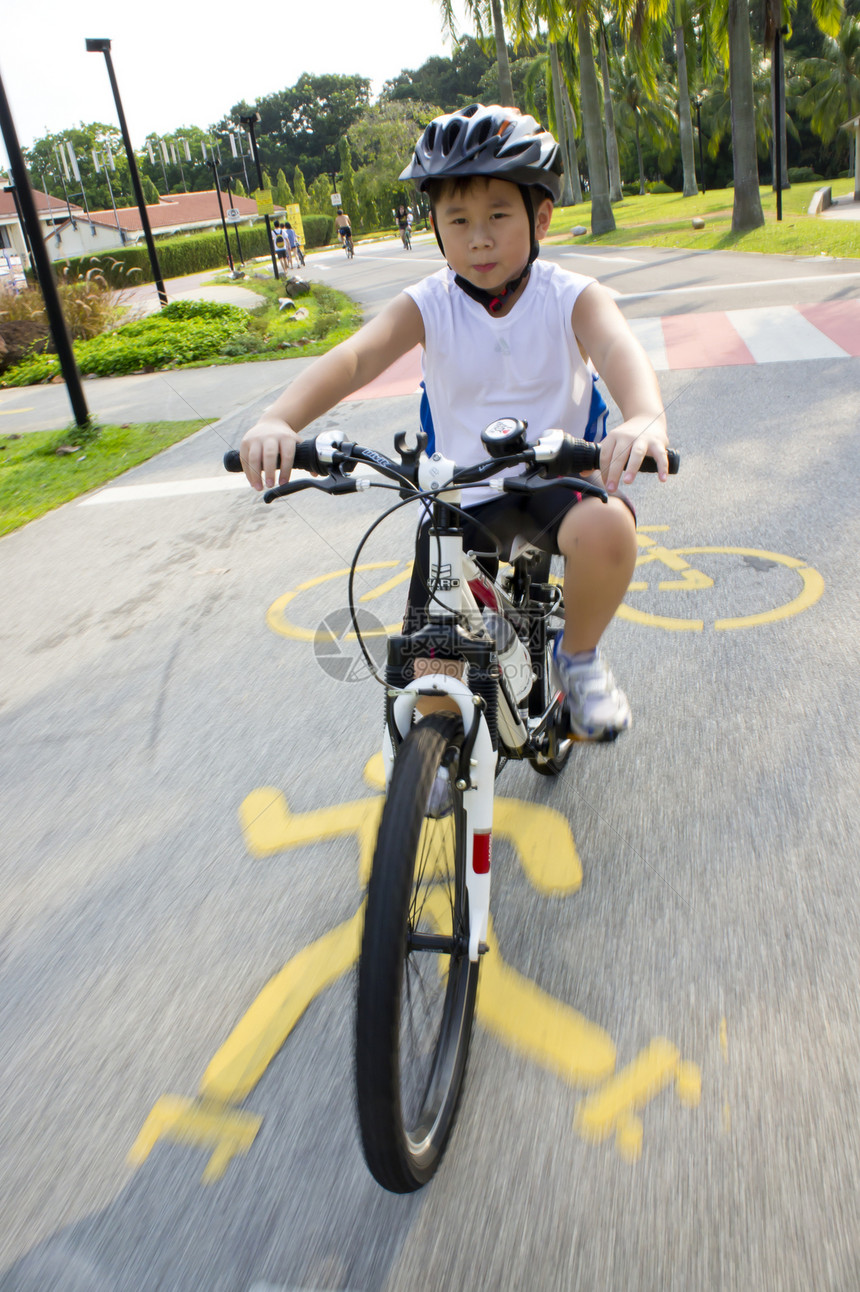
column 416, row 984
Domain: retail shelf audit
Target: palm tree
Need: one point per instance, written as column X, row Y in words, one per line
column 685, row 117
column 746, row 207
column 479, row 11
column 834, row 95
column 613, row 165
column 602, row 219
column 641, row 111
column 828, row 15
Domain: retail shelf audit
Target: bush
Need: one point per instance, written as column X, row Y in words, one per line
column 319, row 230
column 658, row 186
column 19, row 337
column 803, row 175
column 183, row 332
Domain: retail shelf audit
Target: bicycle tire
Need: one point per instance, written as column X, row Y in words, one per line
column 410, row 1070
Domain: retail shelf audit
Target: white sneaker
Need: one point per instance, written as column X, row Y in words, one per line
column 597, row 709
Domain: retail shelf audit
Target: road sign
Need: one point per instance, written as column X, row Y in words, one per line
column 335, row 199
column 233, row 216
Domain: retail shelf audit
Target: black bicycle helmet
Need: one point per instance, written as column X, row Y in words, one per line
column 496, row 143
column 491, row 141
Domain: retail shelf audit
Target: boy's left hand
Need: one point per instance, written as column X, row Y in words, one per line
column 622, row 451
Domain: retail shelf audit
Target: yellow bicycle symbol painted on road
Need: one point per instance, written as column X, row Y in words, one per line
column 790, row 583
column 513, row 1008
column 753, row 585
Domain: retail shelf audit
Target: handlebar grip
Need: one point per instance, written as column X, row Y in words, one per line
column 648, row 464
column 306, row 458
column 584, row 455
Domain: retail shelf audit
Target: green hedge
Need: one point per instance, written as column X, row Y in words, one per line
column 177, row 256
column 319, row 230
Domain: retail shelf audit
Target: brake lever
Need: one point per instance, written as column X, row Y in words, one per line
column 334, row 483
column 528, row 484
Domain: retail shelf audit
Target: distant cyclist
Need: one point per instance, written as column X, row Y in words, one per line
column 344, row 228
column 404, row 225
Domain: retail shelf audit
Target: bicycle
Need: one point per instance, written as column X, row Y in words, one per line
column 346, row 239
column 299, row 255
column 428, row 897
column 406, row 236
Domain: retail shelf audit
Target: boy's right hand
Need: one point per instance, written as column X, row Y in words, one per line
column 262, row 446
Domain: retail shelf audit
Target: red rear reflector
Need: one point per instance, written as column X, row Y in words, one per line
column 481, row 849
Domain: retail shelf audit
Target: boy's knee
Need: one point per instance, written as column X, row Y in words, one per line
column 603, row 531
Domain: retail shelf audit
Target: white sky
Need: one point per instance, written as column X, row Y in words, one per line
column 179, row 64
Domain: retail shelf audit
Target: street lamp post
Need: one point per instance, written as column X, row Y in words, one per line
column 103, row 47
column 232, row 201
column 214, row 165
column 42, row 263
column 778, row 34
column 249, row 122
column 698, row 104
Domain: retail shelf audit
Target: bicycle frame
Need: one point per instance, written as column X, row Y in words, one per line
column 452, row 606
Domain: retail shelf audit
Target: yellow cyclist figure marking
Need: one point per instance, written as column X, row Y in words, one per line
column 512, row 1007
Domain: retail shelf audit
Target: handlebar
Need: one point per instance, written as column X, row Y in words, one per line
column 555, row 456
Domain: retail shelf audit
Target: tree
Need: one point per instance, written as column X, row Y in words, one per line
column 642, row 113
column 453, row 82
column 613, row 166
column 746, row 207
column 834, row 95
column 282, row 192
column 346, row 180
column 382, row 142
column 51, row 169
column 602, row 219
column 150, row 192
column 300, row 192
column 479, row 11
column 828, row 15
column 304, row 124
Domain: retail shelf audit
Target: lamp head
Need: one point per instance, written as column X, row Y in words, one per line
column 100, row 46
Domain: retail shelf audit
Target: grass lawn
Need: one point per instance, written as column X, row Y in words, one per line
column 39, row 472
column 665, row 220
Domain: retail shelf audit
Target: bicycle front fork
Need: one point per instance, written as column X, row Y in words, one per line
column 475, row 775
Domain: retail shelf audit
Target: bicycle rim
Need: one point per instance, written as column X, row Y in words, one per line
column 415, row 1004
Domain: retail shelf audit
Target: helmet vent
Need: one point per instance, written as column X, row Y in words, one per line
column 450, row 135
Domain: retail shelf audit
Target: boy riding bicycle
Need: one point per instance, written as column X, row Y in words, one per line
column 343, row 226
column 506, row 335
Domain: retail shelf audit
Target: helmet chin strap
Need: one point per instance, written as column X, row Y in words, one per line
column 493, row 301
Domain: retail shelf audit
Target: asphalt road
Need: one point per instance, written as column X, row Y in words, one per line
column 663, row 1086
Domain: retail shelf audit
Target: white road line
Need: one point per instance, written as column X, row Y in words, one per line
column 182, row 488
column 649, row 334
column 164, row 489
column 733, row 287
column 604, row 260
column 780, row 334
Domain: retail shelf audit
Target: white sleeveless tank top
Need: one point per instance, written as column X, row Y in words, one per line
column 478, row 368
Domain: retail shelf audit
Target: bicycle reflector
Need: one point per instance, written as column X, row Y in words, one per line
column 481, row 849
